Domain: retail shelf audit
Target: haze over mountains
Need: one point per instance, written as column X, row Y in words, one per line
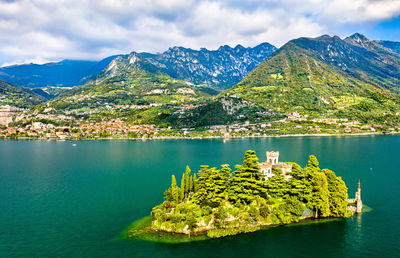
column 65, row 73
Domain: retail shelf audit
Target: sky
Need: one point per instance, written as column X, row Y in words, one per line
column 40, row 31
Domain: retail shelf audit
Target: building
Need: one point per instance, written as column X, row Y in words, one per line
column 358, row 199
column 355, row 205
column 273, row 162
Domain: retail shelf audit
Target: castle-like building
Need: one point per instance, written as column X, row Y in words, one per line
column 273, row 162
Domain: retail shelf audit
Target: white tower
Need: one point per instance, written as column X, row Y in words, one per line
column 273, row 157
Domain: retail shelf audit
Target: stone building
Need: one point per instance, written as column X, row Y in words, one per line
column 358, row 199
column 355, row 205
column 273, row 162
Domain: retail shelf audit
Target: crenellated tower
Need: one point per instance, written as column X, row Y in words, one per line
column 273, row 157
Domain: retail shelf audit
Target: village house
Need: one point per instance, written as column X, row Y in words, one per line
column 273, row 162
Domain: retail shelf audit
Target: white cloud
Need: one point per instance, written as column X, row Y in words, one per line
column 88, row 29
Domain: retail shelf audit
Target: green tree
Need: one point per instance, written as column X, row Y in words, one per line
column 173, row 193
column 313, row 163
column 246, row 183
column 194, row 183
column 320, row 195
column 226, row 175
column 187, row 181
column 191, row 184
column 182, row 189
column 277, row 185
column 300, row 184
column 338, row 198
column 201, row 185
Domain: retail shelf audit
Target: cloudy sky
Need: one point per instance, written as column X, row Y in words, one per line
column 51, row 30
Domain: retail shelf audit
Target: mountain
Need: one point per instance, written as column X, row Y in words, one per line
column 327, row 76
column 392, row 45
column 222, row 68
column 66, row 73
column 136, row 90
column 128, row 80
column 18, row 96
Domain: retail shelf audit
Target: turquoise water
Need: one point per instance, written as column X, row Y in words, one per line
column 57, row 200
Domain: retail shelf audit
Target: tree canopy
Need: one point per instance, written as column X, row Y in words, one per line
column 217, row 198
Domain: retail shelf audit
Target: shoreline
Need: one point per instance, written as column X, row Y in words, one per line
column 140, row 230
column 205, row 138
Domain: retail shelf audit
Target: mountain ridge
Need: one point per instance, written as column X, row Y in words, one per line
column 17, row 96
column 323, row 76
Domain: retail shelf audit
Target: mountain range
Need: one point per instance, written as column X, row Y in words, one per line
column 222, row 68
column 353, row 78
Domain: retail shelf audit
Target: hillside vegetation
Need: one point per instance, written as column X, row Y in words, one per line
column 18, row 96
column 327, row 76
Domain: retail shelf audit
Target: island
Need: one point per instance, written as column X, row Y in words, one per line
column 216, row 202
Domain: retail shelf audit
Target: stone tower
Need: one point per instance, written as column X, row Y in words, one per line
column 358, row 199
column 273, row 157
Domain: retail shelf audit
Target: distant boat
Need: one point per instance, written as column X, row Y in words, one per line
column 74, row 145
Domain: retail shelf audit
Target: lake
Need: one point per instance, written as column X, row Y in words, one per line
column 60, row 200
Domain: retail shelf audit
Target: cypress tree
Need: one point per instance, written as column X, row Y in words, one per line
column 194, row 183
column 187, row 181
column 191, row 184
column 182, row 189
column 174, row 190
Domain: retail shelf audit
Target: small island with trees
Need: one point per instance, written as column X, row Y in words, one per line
column 216, row 202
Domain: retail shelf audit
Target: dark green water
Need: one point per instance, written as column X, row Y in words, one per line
column 57, row 200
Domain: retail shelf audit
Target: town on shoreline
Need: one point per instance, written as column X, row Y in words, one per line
column 22, row 125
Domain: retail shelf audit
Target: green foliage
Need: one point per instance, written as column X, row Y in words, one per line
column 224, row 203
column 246, row 183
column 320, row 195
column 223, row 232
column 18, row 96
column 173, row 193
column 300, row 77
column 277, row 185
column 338, row 198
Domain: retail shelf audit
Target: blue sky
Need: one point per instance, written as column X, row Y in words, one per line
column 47, row 30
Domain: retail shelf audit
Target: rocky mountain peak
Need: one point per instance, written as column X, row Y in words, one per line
column 358, row 39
